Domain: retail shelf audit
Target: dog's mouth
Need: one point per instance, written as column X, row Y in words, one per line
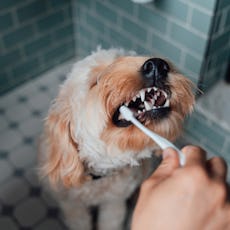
column 148, row 104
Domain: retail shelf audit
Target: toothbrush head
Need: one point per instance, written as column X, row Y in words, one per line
column 126, row 113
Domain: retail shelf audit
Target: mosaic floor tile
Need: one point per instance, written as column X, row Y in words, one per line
column 23, row 156
column 14, row 190
column 30, row 212
column 24, row 204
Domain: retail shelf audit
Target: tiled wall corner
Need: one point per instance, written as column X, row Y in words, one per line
column 217, row 57
column 166, row 28
column 205, row 131
column 35, row 35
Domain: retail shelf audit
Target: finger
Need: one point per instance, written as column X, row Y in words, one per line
column 217, row 168
column 194, row 155
column 169, row 163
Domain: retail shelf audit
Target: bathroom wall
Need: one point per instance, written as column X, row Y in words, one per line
column 177, row 29
column 35, row 35
column 218, row 49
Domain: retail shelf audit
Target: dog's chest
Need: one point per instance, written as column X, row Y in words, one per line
column 120, row 184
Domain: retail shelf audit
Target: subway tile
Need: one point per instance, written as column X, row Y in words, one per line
column 38, row 45
column 57, row 52
column 95, row 23
column 64, row 32
column 192, row 63
column 5, row 82
column 6, row 21
column 166, row 48
column 188, row 39
column 119, row 40
column 134, row 29
column 21, row 34
column 208, row 4
column 9, row 58
column 84, row 32
column 221, row 56
column 219, row 42
column 227, row 149
column 201, row 21
column 153, row 19
column 22, row 70
column 31, row 10
column 201, row 126
column 106, row 13
column 227, row 22
column 126, row 6
column 86, row 3
column 6, row 4
column 58, row 3
column 174, row 8
column 223, row 4
column 51, row 21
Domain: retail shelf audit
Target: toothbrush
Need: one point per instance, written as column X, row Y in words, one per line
column 162, row 142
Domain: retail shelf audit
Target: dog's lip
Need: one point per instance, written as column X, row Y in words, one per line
column 147, row 104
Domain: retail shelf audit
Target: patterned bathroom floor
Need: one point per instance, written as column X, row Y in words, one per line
column 23, row 203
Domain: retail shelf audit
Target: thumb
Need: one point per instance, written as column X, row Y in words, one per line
column 169, row 163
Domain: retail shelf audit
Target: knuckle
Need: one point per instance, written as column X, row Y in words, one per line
column 192, row 148
column 194, row 176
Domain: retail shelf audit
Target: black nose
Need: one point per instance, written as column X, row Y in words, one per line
column 154, row 71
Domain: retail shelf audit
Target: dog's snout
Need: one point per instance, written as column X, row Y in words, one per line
column 154, row 71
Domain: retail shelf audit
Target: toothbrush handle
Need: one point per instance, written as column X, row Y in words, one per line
column 162, row 142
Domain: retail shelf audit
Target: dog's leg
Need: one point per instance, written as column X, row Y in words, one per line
column 111, row 215
column 77, row 216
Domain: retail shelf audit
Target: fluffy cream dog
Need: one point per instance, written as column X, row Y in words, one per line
column 89, row 153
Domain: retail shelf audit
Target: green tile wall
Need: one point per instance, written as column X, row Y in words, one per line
column 208, row 133
column 218, row 52
column 35, row 35
column 166, row 28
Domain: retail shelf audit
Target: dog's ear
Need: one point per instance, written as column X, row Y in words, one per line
column 62, row 163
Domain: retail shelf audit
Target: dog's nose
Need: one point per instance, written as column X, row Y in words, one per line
column 154, row 71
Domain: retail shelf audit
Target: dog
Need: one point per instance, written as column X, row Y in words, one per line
column 90, row 155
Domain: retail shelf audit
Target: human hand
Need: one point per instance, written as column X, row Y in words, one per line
column 184, row 198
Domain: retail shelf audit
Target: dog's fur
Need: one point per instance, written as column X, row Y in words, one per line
column 80, row 138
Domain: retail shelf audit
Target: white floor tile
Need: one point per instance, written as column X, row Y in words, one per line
column 30, row 212
column 10, row 139
column 14, row 190
column 23, row 156
column 6, row 170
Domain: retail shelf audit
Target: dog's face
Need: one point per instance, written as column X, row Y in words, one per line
column 84, row 126
column 157, row 94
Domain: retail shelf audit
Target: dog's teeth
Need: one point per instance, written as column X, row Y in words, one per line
column 139, row 111
column 126, row 103
column 165, row 94
column 142, row 94
column 149, row 89
column 134, row 98
column 155, row 88
column 147, row 106
column 152, row 101
column 167, row 103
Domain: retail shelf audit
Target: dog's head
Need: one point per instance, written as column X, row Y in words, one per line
column 84, row 125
